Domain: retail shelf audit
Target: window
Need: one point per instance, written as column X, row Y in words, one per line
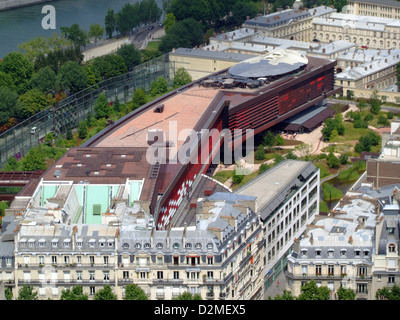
column 125, row 275
column 343, row 270
column 176, row 260
column 143, row 275
column 159, row 260
column 210, row 260
column 66, row 259
column 210, row 275
column 79, row 244
column 362, row 271
column 318, row 269
column 392, row 247
column 54, row 259
column 391, row 278
column 343, row 253
column 331, row 270
column 79, row 275
column 160, row 274
column 91, row 275
column 79, row 259
column 91, row 259
column 92, row 291
column 105, row 258
column 318, row 253
column 176, row 275
column 41, row 259
column 106, row 275
column 304, row 269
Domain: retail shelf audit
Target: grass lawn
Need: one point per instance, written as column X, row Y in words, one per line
column 351, row 133
column 153, row 45
column 329, row 192
column 224, row 175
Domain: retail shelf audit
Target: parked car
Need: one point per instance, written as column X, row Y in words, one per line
column 151, row 27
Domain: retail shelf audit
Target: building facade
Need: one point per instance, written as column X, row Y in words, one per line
column 337, row 250
column 289, row 205
column 374, row 8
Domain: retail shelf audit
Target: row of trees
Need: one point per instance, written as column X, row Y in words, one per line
column 310, row 291
column 191, row 23
column 132, row 292
column 131, row 16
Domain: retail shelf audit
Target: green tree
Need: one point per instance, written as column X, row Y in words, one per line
column 35, row 47
column 8, row 103
column 310, row 291
column 95, row 32
column 346, row 294
column 386, row 293
column 188, row 296
column 169, row 21
column 109, row 66
column 333, row 161
column 181, row 78
column 27, row 293
column 93, row 74
column 117, row 105
column 375, row 102
column 19, row 68
column 362, row 104
column 101, row 107
column 383, row 120
column 263, row 167
column 34, row 160
column 134, row 292
column 138, row 98
column 269, row 140
column 110, row 23
column 260, row 153
column 6, row 80
column 237, row 178
column 11, row 164
column 45, row 80
column 3, row 207
column 105, row 294
column 184, row 9
column 344, row 158
column 75, row 34
column 159, row 86
column 241, row 10
column 33, row 101
column 131, row 55
column 8, row 293
column 286, row 295
column 72, row 77
column 187, row 33
column 82, row 130
column 76, row 293
column 69, row 135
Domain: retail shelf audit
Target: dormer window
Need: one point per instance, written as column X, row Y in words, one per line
column 318, row 252
column 391, row 247
column 125, row 245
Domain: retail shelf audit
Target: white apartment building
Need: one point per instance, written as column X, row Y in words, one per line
column 337, row 250
column 286, row 207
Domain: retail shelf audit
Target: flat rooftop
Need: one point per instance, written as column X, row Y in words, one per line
column 273, row 183
column 181, row 112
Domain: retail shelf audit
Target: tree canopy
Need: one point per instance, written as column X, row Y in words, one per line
column 76, row 293
column 134, row 292
column 186, row 33
column 105, row 294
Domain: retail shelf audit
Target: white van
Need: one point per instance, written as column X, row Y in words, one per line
column 34, row 130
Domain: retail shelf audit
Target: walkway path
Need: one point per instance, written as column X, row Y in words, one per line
column 140, row 39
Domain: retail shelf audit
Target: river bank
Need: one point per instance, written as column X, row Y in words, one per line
column 12, row 4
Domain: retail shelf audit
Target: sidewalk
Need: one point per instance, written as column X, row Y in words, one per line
column 114, row 44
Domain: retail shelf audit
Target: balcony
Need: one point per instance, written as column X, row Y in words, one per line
column 210, row 295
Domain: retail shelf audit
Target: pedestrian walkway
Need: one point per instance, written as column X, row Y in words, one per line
column 278, row 286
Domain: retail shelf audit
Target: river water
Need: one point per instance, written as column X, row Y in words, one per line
column 22, row 24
